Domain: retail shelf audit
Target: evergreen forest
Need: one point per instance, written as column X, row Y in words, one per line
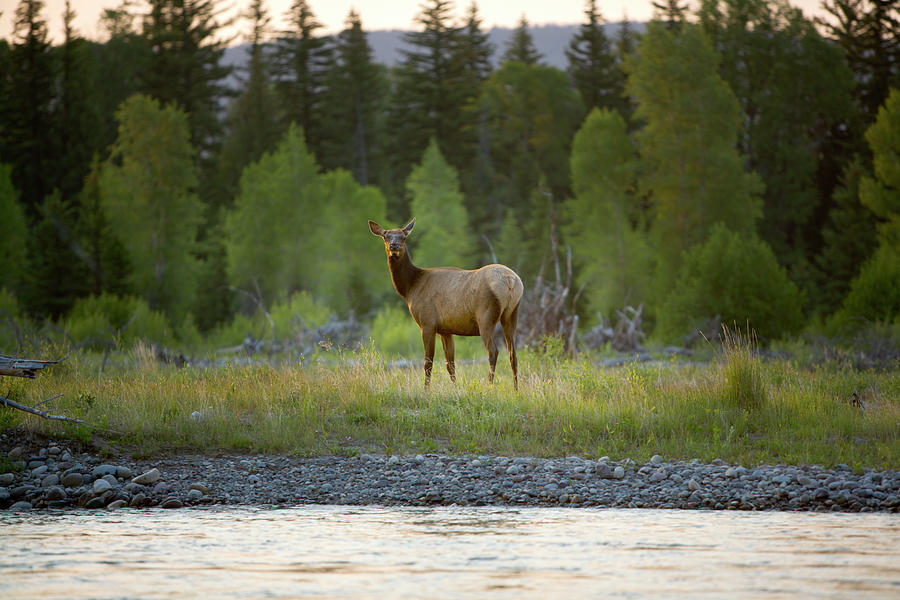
column 733, row 161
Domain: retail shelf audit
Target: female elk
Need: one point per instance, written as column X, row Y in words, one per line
column 448, row 301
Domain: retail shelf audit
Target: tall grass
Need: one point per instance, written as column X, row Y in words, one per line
column 740, row 409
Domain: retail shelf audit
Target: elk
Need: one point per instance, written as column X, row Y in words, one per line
column 447, row 301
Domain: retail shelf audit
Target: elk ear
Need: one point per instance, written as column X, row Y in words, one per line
column 409, row 227
column 376, row 229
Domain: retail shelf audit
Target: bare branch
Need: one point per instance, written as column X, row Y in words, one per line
column 12, row 404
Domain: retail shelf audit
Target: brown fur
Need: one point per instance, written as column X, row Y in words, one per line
column 447, row 301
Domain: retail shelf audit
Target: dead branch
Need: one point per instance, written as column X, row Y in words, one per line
column 41, row 413
column 23, row 367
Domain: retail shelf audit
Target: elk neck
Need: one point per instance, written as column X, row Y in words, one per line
column 404, row 273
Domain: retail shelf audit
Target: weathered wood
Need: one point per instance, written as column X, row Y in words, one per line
column 23, row 367
column 41, row 413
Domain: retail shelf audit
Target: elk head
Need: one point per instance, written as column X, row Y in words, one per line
column 394, row 239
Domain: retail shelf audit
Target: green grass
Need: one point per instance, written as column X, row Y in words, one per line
column 793, row 414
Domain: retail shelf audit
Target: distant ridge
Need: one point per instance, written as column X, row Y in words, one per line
column 551, row 42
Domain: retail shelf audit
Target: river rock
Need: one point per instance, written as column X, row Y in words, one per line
column 656, row 459
column 619, row 472
column 101, row 486
column 147, row 478
column 54, row 493
column 658, row 475
column 97, row 502
column 50, row 480
column 123, row 473
column 20, row 505
column 101, row 470
column 72, row 480
column 194, row 495
column 7, row 479
column 171, row 503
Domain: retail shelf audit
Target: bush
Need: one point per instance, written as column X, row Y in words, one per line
column 13, row 324
column 298, row 314
column 742, row 384
column 395, row 333
column 737, row 278
column 874, row 294
column 99, row 321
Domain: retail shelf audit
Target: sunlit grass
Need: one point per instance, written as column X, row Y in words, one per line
column 358, row 403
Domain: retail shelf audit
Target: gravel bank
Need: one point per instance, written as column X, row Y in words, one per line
column 52, row 475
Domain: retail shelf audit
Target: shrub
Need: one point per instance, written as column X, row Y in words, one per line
column 874, row 294
column 98, row 321
column 395, row 333
column 299, row 313
column 737, row 278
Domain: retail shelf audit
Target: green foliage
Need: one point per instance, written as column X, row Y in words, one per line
column 874, row 294
column 106, row 320
column 13, row 249
column 742, row 383
column 395, row 333
column 272, row 228
column 147, row 192
column 593, row 66
column 13, row 323
column 737, row 278
column 882, row 193
column 691, row 169
column 605, row 229
column 520, row 47
column 299, row 313
column 442, row 236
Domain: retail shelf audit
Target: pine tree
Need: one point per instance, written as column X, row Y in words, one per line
column 184, row 67
column 429, row 98
column 869, row 33
column 592, row 65
column 356, row 90
column 672, row 13
column 29, row 142
column 301, row 62
column 253, row 119
column 521, row 46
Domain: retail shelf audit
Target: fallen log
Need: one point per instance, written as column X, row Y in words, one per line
column 28, row 368
column 23, row 367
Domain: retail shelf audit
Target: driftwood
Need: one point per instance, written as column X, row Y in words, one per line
column 27, row 368
column 626, row 336
column 23, row 367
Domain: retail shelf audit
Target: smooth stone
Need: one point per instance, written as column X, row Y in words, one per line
column 603, row 471
column 619, row 472
column 20, row 505
column 53, row 451
column 194, row 495
column 72, row 480
column 101, row 485
column 101, row 470
column 805, row 481
column 656, row 459
column 7, row 479
column 50, row 480
column 171, row 503
column 116, row 504
column 148, row 477
column 39, row 471
column 54, row 493
column 97, row 502
column 124, row 473
column 693, row 485
column 200, row 487
column 658, row 475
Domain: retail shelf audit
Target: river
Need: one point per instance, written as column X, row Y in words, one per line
column 378, row 552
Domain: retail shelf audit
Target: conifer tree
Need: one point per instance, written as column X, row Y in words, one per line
column 521, row 46
column 428, row 100
column 356, row 92
column 27, row 109
column 592, row 64
column 301, row 61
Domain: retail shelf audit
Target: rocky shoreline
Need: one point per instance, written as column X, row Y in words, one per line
column 54, row 476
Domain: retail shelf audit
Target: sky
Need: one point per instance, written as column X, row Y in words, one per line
column 375, row 14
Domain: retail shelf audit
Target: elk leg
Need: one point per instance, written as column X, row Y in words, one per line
column 447, row 342
column 508, row 322
column 428, row 341
column 487, row 337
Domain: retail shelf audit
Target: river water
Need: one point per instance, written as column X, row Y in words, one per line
column 375, row 552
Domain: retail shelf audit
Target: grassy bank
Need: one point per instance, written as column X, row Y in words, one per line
column 736, row 407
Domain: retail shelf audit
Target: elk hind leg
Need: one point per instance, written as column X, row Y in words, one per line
column 508, row 321
column 447, row 342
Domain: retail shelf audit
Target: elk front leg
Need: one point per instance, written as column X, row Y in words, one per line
column 487, row 338
column 447, row 342
column 428, row 341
